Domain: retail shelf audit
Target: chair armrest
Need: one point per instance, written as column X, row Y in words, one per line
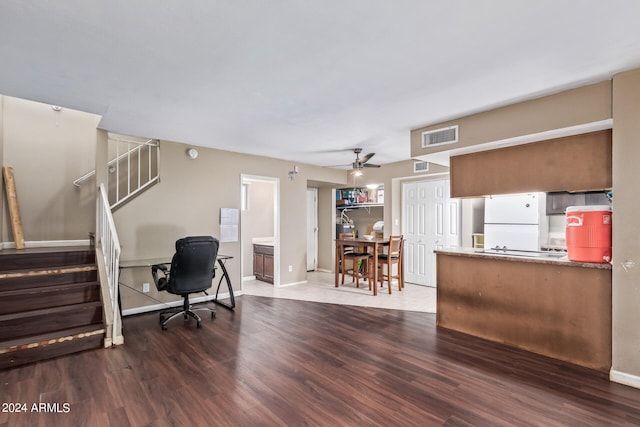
column 161, row 282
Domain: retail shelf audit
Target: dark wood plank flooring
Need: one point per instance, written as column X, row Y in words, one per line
column 276, row 362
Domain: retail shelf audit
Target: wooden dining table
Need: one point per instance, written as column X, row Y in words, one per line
column 371, row 245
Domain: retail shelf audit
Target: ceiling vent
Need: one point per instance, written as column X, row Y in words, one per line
column 420, row 167
column 447, row 135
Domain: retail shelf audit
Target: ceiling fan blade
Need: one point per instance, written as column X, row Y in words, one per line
column 366, row 158
column 370, row 165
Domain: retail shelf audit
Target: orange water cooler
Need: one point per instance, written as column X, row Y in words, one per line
column 588, row 233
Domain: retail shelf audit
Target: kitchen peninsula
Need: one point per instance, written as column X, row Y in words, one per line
column 547, row 305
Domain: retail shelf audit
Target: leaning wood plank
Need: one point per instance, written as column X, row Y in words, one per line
column 14, row 210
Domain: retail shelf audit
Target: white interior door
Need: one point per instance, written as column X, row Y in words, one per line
column 414, row 227
column 312, row 229
column 430, row 220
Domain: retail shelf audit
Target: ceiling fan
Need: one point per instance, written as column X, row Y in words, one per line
column 358, row 164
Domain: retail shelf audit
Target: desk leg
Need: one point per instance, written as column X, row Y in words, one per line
column 375, row 269
column 337, row 263
column 225, row 275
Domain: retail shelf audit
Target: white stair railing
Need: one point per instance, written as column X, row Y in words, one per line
column 107, row 239
column 134, row 168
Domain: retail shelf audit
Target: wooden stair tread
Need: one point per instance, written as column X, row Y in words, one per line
column 47, row 288
column 47, row 311
column 49, row 338
column 33, row 258
column 61, row 278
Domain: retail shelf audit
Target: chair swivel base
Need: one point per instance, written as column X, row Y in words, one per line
column 187, row 311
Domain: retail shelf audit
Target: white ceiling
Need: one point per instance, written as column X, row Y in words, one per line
column 305, row 80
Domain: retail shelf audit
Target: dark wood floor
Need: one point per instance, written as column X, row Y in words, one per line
column 293, row 363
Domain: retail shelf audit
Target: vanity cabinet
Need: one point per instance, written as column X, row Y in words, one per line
column 263, row 262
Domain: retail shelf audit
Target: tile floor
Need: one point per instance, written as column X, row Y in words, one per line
column 320, row 288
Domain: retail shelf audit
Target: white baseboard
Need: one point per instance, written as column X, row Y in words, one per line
column 324, row 270
column 292, row 284
column 47, row 244
column 177, row 303
column 624, row 378
column 247, row 278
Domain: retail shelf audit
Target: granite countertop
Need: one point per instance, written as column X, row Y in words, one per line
column 533, row 257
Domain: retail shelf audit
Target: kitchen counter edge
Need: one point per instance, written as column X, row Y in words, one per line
column 477, row 253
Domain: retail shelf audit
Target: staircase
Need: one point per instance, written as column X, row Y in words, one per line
column 50, row 304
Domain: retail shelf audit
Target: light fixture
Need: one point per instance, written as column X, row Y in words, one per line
column 357, row 173
column 372, row 186
column 192, row 153
column 56, row 108
column 293, row 172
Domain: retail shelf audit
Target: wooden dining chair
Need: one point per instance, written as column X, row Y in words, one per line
column 392, row 257
column 356, row 258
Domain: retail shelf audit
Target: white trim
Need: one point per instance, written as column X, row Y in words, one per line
column 47, row 244
column 244, row 178
column 247, row 278
column 442, row 157
column 108, row 341
column 177, row 303
column 314, row 234
column 624, row 378
column 324, row 270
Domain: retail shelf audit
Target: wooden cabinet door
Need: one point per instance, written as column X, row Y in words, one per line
column 258, row 265
column 267, row 270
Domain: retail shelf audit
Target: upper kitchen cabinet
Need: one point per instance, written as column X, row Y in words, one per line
column 573, row 163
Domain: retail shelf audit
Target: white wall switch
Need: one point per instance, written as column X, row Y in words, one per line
column 145, row 287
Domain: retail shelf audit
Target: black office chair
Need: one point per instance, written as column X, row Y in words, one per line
column 192, row 270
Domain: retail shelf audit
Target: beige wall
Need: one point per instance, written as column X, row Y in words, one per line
column 578, row 106
column 326, row 228
column 188, row 199
column 626, row 225
column 48, row 150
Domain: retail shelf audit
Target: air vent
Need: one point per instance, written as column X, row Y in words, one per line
column 420, row 167
column 447, row 135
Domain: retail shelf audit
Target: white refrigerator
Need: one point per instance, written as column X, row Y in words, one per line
column 515, row 221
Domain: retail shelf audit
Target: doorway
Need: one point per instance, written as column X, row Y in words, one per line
column 312, row 229
column 430, row 220
column 259, row 221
